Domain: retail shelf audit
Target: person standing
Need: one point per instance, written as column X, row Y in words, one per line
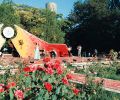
column 69, row 51
column 79, row 48
column 96, row 52
column 37, row 52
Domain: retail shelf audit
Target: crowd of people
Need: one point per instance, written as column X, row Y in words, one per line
column 81, row 53
column 111, row 55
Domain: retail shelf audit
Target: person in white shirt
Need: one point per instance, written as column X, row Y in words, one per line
column 79, row 48
column 96, row 52
column 36, row 52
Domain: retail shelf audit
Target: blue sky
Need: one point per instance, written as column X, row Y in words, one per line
column 63, row 6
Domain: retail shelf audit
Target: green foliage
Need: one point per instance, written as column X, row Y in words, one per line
column 34, row 87
column 99, row 70
column 91, row 89
column 94, row 25
column 43, row 23
column 52, row 27
column 113, row 54
column 8, row 14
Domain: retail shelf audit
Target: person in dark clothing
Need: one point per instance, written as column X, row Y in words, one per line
column 69, row 51
column 42, row 53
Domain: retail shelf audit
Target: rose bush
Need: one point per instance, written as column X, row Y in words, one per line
column 47, row 81
column 39, row 82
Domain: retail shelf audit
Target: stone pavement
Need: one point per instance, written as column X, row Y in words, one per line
column 76, row 59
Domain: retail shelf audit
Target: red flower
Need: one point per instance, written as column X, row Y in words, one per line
column 69, row 76
column 26, row 69
column 59, row 71
column 2, row 85
column 47, row 59
column 65, row 81
column 76, row 91
column 57, row 62
column 11, row 84
column 19, row 94
column 56, row 66
column 1, row 88
column 48, row 86
column 32, row 68
column 49, row 64
column 49, row 71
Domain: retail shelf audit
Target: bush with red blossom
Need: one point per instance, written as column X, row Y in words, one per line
column 19, row 94
column 49, row 80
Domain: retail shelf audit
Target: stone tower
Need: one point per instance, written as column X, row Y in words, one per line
column 52, row 6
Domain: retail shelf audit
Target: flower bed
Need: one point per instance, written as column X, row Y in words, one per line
column 48, row 81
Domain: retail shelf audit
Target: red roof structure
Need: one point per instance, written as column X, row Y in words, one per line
column 29, row 41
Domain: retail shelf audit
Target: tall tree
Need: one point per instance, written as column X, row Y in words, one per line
column 94, row 25
column 113, row 4
column 52, row 27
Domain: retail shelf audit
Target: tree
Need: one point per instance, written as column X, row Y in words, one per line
column 42, row 23
column 8, row 15
column 94, row 25
column 113, row 4
column 52, row 27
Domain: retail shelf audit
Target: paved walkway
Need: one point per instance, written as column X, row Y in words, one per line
column 108, row 84
column 76, row 59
